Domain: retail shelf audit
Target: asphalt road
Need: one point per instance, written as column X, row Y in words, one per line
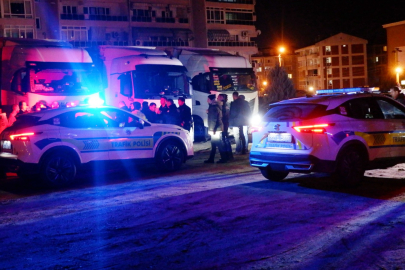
column 206, row 216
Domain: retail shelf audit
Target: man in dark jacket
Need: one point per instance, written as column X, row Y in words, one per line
column 215, row 128
column 185, row 114
column 162, row 109
column 225, row 120
column 239, row 120
column 172, row 115
column 397, row 95
column 150, row 114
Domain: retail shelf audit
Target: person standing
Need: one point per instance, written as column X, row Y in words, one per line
column 236, row 121
column 23, row 107
column 145, row 107
column 150, row 114
column 246, row 114
column 225, row 120
column 172, row 115
column 12, row 117
column 162, row 109
column 185, row 114
column 215, row 128
column 123, row 106
column 397, row 95
column 137, row 110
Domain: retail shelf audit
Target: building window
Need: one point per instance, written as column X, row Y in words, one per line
column 328, row 49
column 16, row 31
column 215, row 15
column 328, row 60
column 290, row 76
column 96, row 10
column 243, row 18
column 74, row 33
column 376, row 59
column 385, row 48
column 69, row 10
column 38, row 23
column 17, row 9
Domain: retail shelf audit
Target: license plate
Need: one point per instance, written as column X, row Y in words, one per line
column 6, row 145
column 280, row 145
column 279, row 137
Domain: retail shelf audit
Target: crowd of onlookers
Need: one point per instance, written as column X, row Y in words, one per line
column 167, row 113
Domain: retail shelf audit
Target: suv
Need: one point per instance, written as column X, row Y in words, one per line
column 54, row 143
column 338, row 133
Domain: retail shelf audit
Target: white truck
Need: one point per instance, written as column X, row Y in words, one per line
column 140, row 74
column 216, row 72
column 52, row 72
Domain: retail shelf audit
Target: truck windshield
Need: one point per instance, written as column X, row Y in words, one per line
column 236, row 79
column 81, row 79
column 155, row 80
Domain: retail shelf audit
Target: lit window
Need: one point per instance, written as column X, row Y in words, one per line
column 376, row 59
column 385, row 48
column 328, row 60
column 328, row 49
column 290, row 76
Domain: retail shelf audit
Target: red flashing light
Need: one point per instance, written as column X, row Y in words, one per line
column 21, row 137
column 255, row 128
column 320, row 129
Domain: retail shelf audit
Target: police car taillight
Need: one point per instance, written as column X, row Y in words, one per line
column 22, row 136
column 255, row 129
column 312, row 128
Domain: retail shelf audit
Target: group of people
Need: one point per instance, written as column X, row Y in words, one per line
column 167, row 113
column 220, row 118
column 16, row 110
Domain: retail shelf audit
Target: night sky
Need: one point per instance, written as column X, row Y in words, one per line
column 309, row 21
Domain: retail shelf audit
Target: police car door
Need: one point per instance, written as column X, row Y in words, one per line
column 394, row 115
column 128, row 139
column 82, row 130
column 367, row 122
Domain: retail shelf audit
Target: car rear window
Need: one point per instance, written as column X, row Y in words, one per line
column 294, row 112
column 24, row 121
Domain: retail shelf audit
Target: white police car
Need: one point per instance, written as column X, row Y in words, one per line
column 341, row 131
column 54, row 143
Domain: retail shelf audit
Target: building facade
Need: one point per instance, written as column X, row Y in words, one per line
column 225, row 25
column 264, row 63
column 396, row 50
column 377, row 63
column 336, row 62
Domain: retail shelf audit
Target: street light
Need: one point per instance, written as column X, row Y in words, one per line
column 398, row 70
column 311, row 89
column 280, row 50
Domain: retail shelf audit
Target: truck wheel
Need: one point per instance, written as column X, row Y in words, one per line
column 351, row 166
column 58, row 170
column 170, row 156
column 274, row 175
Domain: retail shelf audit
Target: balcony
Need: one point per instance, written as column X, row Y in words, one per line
column 232, row 44
column 93, row 17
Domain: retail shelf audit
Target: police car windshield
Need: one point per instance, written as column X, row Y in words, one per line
column 292, row 112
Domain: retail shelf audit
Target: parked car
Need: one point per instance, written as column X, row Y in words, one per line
column 55, row 143
column 340, row 131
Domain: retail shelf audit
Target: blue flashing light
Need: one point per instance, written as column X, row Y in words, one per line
column 346, row 91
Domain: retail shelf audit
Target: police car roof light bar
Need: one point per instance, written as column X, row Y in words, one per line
column 354, row 90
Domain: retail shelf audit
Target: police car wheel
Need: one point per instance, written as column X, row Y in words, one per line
column 170, row 156
column 274, row 175
column 351, row 167
column 58, row 170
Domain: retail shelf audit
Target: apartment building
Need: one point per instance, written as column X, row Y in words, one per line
column 336, row 62
column 377, row 64
column 225, row 25
column 265, row 61
column 396, row 50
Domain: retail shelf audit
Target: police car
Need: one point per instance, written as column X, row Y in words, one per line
column 340, row 131
column 54, row 143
